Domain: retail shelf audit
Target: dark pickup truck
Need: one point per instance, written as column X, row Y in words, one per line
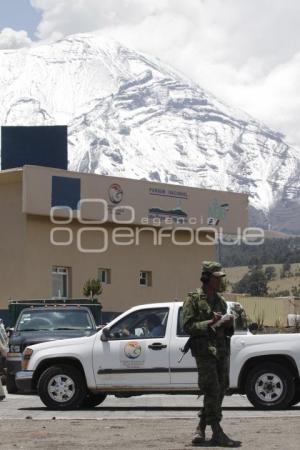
column 44, row 324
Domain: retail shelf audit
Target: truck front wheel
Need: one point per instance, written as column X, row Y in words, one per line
column 92, row 400
column 62, row 387
column 270, row 386
column 296, row 399
column 11, row 384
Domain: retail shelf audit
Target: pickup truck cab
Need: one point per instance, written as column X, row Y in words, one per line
column 136, row 354
column 45, row 324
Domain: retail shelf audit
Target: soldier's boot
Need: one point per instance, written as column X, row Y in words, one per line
column 219, row 438
column 199, row 437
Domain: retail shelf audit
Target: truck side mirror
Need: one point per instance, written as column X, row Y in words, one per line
column 105, row 335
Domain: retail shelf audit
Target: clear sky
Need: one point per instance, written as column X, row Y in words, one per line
column 19, row 15
column 246, row 52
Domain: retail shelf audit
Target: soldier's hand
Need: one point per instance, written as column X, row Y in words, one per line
column 216, row 318
column 229, row 322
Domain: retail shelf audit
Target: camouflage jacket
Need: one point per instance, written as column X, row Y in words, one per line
column 197, row 313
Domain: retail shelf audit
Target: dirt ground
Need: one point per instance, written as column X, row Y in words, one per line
column 137, row 434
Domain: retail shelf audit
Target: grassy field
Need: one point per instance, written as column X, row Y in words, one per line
column 234, row 274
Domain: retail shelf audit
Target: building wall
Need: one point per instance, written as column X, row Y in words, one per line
column 12, row 232
column 228, row 209
column 175, row 269
column 27, row 255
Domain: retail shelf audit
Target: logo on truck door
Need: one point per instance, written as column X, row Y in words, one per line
column 132, row 354
column 132, row 350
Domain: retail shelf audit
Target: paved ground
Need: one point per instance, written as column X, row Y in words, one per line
column 157, row 422
column 145, row 406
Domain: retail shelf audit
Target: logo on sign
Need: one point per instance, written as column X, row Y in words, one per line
column 216, row 212
column 115, row 193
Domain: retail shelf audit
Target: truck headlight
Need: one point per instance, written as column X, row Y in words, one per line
column 26, row 357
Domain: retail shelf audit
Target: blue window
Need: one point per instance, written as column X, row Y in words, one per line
column 65, row 191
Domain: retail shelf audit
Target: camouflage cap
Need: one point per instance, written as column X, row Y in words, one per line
column 213, row 268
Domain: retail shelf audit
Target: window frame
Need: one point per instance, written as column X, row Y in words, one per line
column 179, row 325
column 147, row 311
column 62, row 271
column 147, row 278
column 107, row 272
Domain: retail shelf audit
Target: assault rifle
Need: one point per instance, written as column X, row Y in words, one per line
column 185, row 349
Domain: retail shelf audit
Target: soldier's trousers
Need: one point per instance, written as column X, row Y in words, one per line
column 213, row 380
column 2, row 394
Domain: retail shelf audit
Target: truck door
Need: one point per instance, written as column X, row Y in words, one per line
column 137, row 352
column 184, row 372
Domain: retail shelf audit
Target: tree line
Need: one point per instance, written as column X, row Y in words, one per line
column 255, row 281
column 272, row 251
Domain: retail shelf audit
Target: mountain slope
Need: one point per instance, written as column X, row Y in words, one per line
column 131, row 115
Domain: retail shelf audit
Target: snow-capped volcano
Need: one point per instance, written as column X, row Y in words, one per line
column 132, row 115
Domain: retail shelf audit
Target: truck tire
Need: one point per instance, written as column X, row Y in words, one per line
column 11, row 386
column 92, row 400
column 62, row 387
column 270, row 386
column 296, row 399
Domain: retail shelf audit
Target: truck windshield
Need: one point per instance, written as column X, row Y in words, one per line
column 54, row 320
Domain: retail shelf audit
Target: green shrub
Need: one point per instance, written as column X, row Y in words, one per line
column 92, row 288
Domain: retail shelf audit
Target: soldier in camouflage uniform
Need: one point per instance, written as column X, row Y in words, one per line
column 210, row 345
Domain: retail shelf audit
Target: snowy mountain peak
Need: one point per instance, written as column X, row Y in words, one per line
column 131, row 115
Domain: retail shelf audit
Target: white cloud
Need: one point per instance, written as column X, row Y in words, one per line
column 72, row 16
column 10, row 39
column 276, row 98
column 245, row 52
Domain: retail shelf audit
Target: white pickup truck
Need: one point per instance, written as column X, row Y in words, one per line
column 128, row 358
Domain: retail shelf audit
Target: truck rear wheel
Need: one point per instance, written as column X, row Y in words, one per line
column 270, row 386
column 92, row 400
column 62, row 387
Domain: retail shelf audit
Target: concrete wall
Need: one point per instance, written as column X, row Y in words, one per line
column 271, row 309
column 12, row 233
column 175, row 269
column 230, row 209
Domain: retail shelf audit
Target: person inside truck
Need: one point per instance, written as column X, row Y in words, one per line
column 153, row 326
column 143, row 325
